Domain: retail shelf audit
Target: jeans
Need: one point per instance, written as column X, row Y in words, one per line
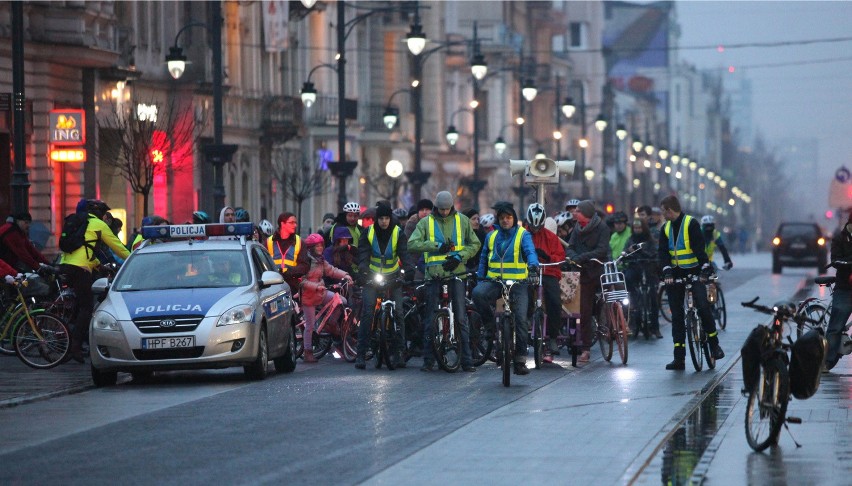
column 841, row 308
column 368, row 297
column 456, row 289
column 699, row 298
column 486, row 294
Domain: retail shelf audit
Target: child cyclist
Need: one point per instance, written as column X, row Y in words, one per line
column 313, row 290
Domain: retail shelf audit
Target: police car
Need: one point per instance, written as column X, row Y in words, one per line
column 190, row 297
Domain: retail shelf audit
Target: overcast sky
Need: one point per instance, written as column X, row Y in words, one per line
column 800, row 89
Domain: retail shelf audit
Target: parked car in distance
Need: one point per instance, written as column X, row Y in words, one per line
column 799, row 244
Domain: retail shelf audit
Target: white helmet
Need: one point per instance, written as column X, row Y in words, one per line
column 572, row 202
column 486, row 220
column 707, row 219
column 535, row 215
column 266, row 228
column 352, row 207
column 563, row 218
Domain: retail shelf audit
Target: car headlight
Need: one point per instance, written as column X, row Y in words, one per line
column 236, row 315
column 104, row 321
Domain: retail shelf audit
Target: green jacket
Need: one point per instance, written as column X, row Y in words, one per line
column 618, row 241
column 420, row 241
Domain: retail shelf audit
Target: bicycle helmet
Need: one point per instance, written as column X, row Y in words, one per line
column 564, row 217
column 97, row 207
column 266, row 228
column 572, row 203
column 400, row 213
column 486, row 220
column 242, row 215
column 535, row 215
column 352, row 207
column 707, row 220
column 200, row 217
column 619, row 217
column 314, row 239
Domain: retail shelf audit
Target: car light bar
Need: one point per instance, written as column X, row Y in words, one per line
column 197, row 230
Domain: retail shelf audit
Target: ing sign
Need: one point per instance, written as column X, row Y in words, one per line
column 68, row 127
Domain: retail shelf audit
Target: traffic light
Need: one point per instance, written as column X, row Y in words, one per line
column 609, row 208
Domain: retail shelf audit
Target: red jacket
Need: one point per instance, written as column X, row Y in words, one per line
column 16, row 248
column 546, row 240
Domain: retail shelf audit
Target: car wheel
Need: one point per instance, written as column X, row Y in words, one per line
column 257, row 370
column 104, row 378
column 287, row 363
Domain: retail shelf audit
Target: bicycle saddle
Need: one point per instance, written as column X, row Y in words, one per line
column 825, row 280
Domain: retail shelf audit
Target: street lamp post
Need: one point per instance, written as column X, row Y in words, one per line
column 216, row 154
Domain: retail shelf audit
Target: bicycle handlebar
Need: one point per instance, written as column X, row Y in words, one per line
column 779, row 312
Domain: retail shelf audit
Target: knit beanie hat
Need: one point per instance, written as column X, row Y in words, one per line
column 425, row 204
column 586, row 208
column 382, row 210
column 444, row 200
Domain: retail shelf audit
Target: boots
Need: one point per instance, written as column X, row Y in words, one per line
column 679, row 362
column 360, row 361
column 309, row 356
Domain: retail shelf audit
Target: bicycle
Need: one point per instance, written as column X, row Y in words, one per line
column 717, row 298
column 39, row 339
column 614, row 296
column 769, row 393
column 644, row 317
column 330, row 320
column 820, row 309
column 538, row 323
column 506, row 329
column 663, row 302
column 696, row 337
column 446, row 342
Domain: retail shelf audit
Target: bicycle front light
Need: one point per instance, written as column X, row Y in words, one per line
column 236, row 315
column 104, row 321
column 625, row 301
column 379, row 278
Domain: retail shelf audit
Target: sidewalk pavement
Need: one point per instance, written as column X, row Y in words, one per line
column 21, row 384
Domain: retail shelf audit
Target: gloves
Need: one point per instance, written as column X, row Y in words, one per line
column 450, row 264
column 668, row 275
column 444, row 248
column 728, row 265
column 542, row 255
column 10, row 279
column 706, row 271
column 533, row 274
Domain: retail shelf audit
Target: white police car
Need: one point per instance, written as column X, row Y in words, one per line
column 193, row 303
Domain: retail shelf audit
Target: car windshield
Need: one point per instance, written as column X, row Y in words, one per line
column 798, row 230
column 184, row 270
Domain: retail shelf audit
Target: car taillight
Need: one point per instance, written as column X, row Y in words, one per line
column 821, row 241
column 776, row 241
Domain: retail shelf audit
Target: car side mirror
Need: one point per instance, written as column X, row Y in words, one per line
column 270, row 278
column 101, row 286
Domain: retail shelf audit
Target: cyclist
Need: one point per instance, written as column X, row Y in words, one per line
column 264, row 230
column 16, row 249
column 473, row 215
column 382, row 250
column 200, row 217
column 447, row 241
column 508, row 253
column 285, row 246
column 227, row 215
column 589, row 240
column 548, row 249
column 713, row 239
column 313, row 291
column 571, row 205
column 343, row 254
column 241, row 215
column 841, row 300
column 620, row 234
column 643, row 261
column 564, row 226
column 349, row 218
column 486, row 223
column 681, row 253
column 79, row 264
column 325, row 231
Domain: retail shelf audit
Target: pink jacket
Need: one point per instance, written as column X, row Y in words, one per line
column 312, row 281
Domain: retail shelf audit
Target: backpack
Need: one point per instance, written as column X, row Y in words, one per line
column 74, row 233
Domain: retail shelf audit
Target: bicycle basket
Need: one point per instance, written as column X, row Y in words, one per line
column 807, row 356
column 613, row 285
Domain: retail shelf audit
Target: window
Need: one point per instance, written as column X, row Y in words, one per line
column 579, row 33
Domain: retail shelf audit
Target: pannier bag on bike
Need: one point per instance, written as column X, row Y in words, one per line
column 807, row 356
column 756, row 344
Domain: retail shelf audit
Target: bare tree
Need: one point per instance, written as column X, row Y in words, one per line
column 299, row 177
column 383, row 185
column 142, row 139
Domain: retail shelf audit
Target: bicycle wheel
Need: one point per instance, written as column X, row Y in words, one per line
column 377, row 339
column 693, row 338
column 300, row 340
column 507, row 348
column 815, row 311
column 663, row 299
column 537, row 327
column 321, row 344
column 767, row 405
column 720, row 313
column 43, row 342
column 619, row 330
column 481, row 343
column 447, row 349
column 708, row 356
column 604, row 332
column 350, row 338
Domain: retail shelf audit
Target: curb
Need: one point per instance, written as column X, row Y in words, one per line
column 14, row 402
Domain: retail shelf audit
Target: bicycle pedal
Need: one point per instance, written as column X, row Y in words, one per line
column 794, row 420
